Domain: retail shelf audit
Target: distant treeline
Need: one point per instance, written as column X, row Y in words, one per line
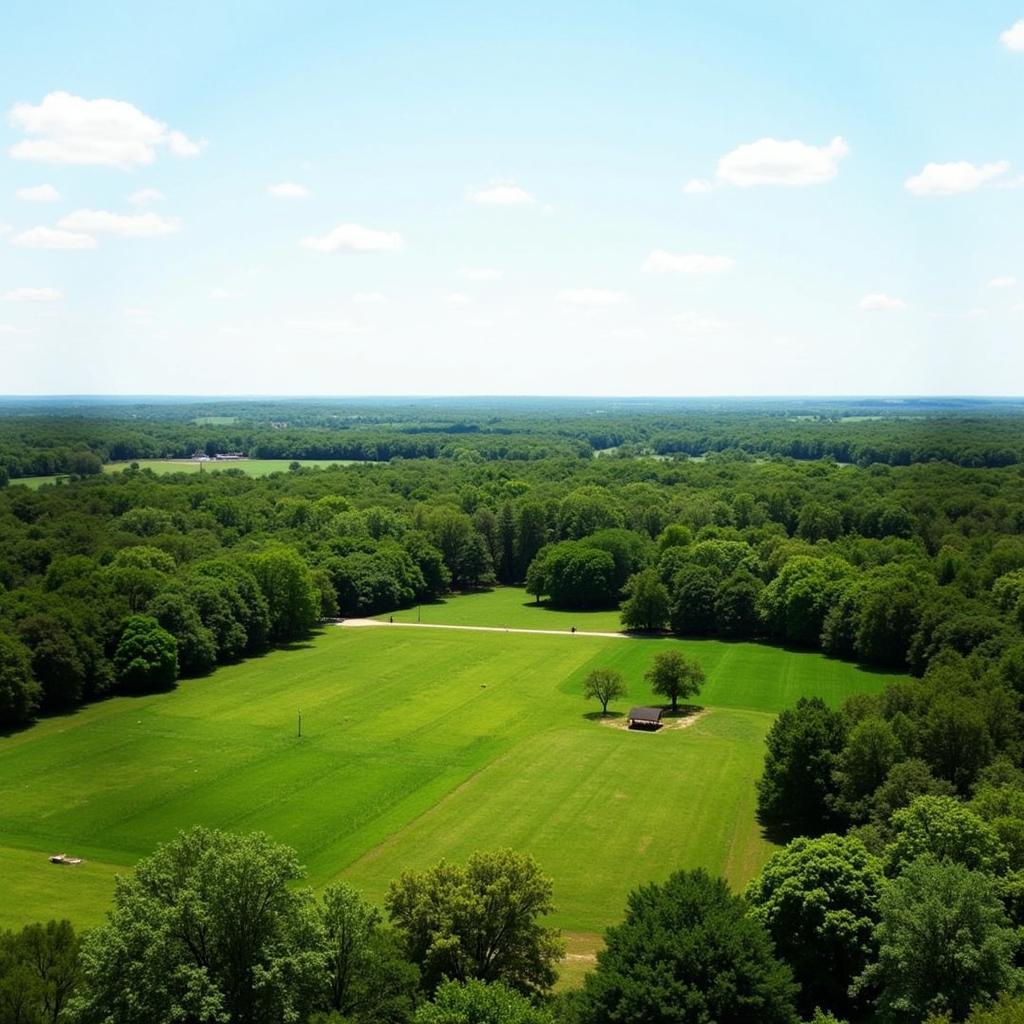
column 72, row 441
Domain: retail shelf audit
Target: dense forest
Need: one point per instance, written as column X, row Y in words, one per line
column 899, row 895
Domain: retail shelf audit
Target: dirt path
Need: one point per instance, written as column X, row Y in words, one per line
column 360, row 623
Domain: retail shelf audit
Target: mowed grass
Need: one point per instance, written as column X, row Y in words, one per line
column 417, row 744
column 506, row 606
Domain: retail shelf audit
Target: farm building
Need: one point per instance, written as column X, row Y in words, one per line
column 644, row 718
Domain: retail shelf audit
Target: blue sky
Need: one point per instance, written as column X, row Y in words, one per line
column 461, row 198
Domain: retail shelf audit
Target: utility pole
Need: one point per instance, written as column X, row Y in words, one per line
column 300, row 722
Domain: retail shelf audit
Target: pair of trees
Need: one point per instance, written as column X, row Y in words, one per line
column 672, row 675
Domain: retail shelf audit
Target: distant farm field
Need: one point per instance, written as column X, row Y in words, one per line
column 417, row 744
column 251, row 467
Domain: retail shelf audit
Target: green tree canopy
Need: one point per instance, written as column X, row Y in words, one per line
column 646, row 604
column 146, row 657
column 687, row 953
column 803, row 745
column 209, row 930
column 605, row 685
column 674, row 675
column 818, row 899
column 478, row 921
column 944, row 943
column 476, row 1002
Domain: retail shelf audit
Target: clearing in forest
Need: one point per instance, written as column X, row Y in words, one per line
column 417, row 744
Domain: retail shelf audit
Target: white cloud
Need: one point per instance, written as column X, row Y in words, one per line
column 8, row 329
column 976, row 312
column 181, row 145
column 698, row 323
column 135, row 225
column 38, row 194
column 1013, row 37
column 776, row 162
column 136, row 313
column 481, row 274
column 354, row 238
column 696, row 186
column 288, row 190
column 68, row 129
column 52, row 238
column 879, row 301
column 1019, row 308
column 956, row 176
column 457, row 299
column 500, row 193
column 32, row 295
column 146, row 196
column 367, row 298
column 221, row 293
column 1007, row 281
column 661, row 261
column 230, row 331
column 591, row 297
column 325, row 326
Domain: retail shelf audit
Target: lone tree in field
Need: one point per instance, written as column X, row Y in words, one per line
column 674, row 675
column 604, row 684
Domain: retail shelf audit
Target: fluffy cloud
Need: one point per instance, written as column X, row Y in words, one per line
column 146, row 196
column 697, row 186
column 1007, row 281
column 38, row 194
column 288, row 190
column 8, row 329
column 501, row 193
column 53, row 238
column 879, row 301
column 956, row 176
column 591, row 297
column 354, row 238
column 457, row 299
column 480, row 274
column 68, row 129
column 775, row 162
column 221, row 293
column 136, row 225
column 367, row 298
column 1013, row 37
column 32, row 295
column 662, row 262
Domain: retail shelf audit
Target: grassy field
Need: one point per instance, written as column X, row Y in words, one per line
column 417, row 744
column 506, row 606
column 252, row 467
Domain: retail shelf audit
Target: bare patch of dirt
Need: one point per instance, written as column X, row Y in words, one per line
column 668, row 724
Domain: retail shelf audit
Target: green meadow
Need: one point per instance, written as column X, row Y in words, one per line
column 416, row 744
column 251, row 467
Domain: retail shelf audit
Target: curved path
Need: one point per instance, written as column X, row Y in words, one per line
column 360, row 623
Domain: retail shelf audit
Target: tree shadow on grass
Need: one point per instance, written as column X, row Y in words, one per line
column 596, row 716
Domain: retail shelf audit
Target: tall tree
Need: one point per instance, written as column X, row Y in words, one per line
column 818, row 898
column 674, row 675
column 605, row 685
column 687, row 953
column 478, row 921
column 803, row 744
column 944, row 943
column 207, row 930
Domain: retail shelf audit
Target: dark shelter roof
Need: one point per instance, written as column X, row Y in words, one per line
column 644, row 715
